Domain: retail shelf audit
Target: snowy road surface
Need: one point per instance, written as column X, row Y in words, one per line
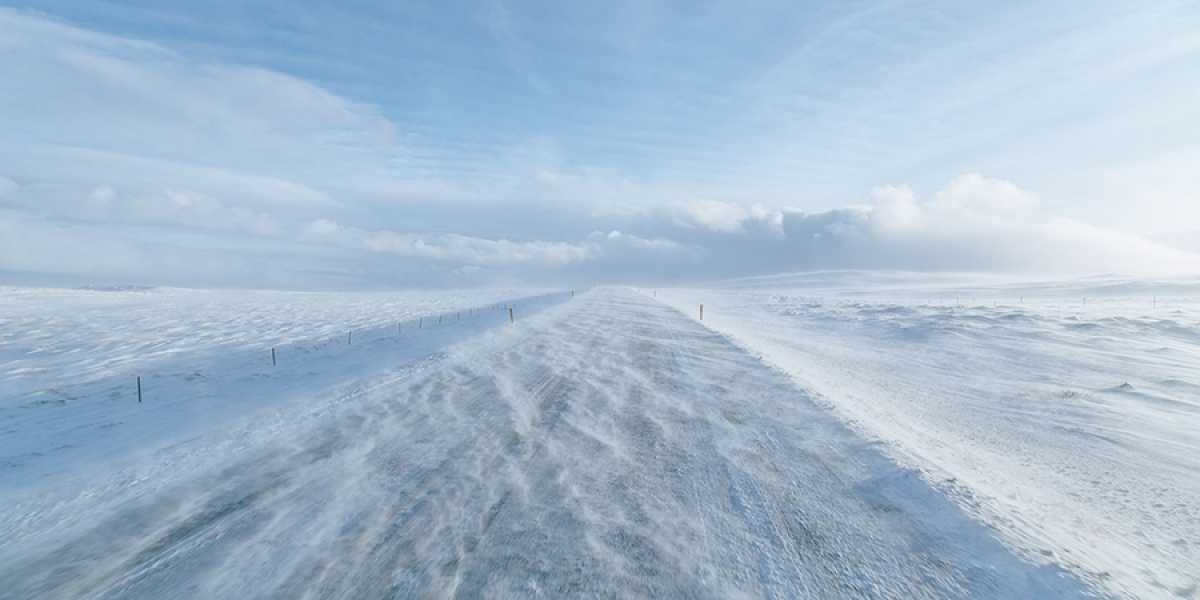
column 607, row 447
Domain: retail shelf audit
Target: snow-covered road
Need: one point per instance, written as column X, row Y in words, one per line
column 607, row 447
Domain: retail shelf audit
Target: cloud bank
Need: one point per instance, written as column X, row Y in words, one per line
column 128, row 162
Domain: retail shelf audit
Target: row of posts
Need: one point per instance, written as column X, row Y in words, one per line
column 350, row 336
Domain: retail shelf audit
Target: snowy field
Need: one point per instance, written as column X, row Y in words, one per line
column 603, row 447
column 1064, row 414
column 69, row 359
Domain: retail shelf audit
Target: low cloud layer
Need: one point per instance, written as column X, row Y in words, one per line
column 974, row 223
column 127, row 162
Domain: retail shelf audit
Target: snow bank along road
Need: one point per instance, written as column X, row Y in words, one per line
column 606, row 447
column 1070, row 426
column 69, row 358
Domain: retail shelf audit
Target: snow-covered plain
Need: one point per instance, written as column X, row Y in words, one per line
column 607, row 446
column 69, row 359
column 1065, row 414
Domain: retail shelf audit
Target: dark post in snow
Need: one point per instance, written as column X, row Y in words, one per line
column 349, row 337
column 397, row 330
column 701, row 312
column 510, row 315
column 139, row 381
column 420, row 322
column 272, row 357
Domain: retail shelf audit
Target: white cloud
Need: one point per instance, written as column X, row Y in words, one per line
column 121, row 131
column 978, row 196
column 480, row 251
column 633, row 241
column 714, row 215
column 448, row 247
column 725, row 217
column 974, row 223
column 895, row 207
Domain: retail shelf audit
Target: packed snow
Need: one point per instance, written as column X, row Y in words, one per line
column 1064, row 414
column 600, row 446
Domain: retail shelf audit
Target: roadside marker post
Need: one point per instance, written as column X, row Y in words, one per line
column 272, row 357
column 701, row 312
column 510, row 315
column 139, row 384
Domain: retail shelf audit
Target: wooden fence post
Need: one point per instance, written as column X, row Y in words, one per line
column 139, row 381
column 510, row 315
column 272, row 357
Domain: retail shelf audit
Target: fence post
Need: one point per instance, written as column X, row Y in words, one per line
column 272, row 357
column 139, row 381
column 701, row 312
column 420, row 322
column 510, row 315
column 349, row 337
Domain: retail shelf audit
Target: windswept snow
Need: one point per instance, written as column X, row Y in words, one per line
column 54, row 336
column 69, row 360
column 1066, row 414
column 605, row 447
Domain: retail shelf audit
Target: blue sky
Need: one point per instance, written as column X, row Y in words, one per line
column 286, row 144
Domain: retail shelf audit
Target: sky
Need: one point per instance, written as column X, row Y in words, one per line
column 367, row 144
